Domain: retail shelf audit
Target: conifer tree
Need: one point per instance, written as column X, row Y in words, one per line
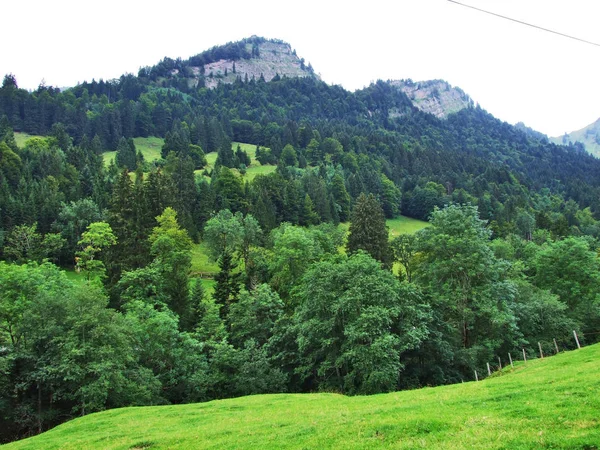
column 126, row 155
column 368, row 230
column 228, row 284
column 341, row 197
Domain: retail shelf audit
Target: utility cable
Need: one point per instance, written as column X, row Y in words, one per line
column 525, row 23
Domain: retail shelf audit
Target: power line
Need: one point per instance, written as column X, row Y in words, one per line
column 525, row 23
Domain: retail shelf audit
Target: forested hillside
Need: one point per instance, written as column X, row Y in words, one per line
column 297, row 304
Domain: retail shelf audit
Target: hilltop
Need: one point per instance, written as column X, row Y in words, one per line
column 589, row 136
column 550, row 403
column 252, row 58
column 435, row 97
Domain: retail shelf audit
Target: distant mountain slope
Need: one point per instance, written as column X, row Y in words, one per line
column 435, row 97
column 272, row 59
column 248, row 59
column 546, row 403
column 588, row 136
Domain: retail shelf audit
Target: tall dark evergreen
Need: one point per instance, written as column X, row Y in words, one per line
column 368, row 230
column 126, row 154
column 228, row 284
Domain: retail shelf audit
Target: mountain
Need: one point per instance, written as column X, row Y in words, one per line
column 534, row 405
column 435, row 97
column 531, row 132
column 589, row 136
column 251, row 58
column 294, row 153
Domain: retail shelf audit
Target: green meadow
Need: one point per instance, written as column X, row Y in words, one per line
column 404, row 225
column 149, row 146
column 21, row 138
column 398, row 225
column 545, row 403
column 252, row 171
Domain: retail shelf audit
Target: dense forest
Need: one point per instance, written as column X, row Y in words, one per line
column 510, row 258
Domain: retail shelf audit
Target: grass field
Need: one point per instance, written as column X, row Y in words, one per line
column 149, row 146
column 21, row 138
column 201, row 263
column 74, row 277
column 399, row 225
column 405, row 225
column 549, row 403
column 252, row 171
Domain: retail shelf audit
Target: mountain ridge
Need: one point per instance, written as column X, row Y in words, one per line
column 250, row 58
column 437, row 97
column 589, row 136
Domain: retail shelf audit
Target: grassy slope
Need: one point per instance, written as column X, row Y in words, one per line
column 21, row 138
column 149, row 146
column 399, row 225
column 588, row 136
column 549, row 403
column 404, row 225
column 201, row 262
column 254, row 169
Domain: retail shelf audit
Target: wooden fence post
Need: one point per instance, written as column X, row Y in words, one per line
column 576, row 339
column 499, row 363
column 555, row 346
column 524, row 356
column 476, row 377
column 489, row 371
column 510, row 359
column 541, row 353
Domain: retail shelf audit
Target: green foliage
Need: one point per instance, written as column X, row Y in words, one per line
column 229, row 190
column 73, row 219
column 23, row 244
column 341, row 197
column 354, row 320
column 232, row 233
column 171, row 247
column 368, row 230
column 96, row 238
column 64, row 347
column 404, row 250
column 228, row 285
column 480, row 299
column 223, row 234
column 288, row 156
column 10, row 164
column 254, row 315
column 294, row 250
column 468, row 285
column 448, row 416
column 168, row 235
column 126, row 154
column 570, row 270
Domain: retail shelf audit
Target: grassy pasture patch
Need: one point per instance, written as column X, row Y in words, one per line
column 549, row 403
column 21, row 138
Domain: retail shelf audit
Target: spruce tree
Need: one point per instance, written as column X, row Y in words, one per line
column 126, row 155
column 228, row 283
column 368, row 230
column 341, row 197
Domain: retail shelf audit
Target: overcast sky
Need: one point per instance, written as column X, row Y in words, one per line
column 515, row 72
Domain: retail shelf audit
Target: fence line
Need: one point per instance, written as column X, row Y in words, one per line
column 556, row 349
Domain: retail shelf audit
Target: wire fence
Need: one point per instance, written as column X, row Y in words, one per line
column 544, row 349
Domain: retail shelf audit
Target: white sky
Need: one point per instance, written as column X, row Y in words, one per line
column 515, row 72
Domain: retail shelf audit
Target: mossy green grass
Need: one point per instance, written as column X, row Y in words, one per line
column 546, row 403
